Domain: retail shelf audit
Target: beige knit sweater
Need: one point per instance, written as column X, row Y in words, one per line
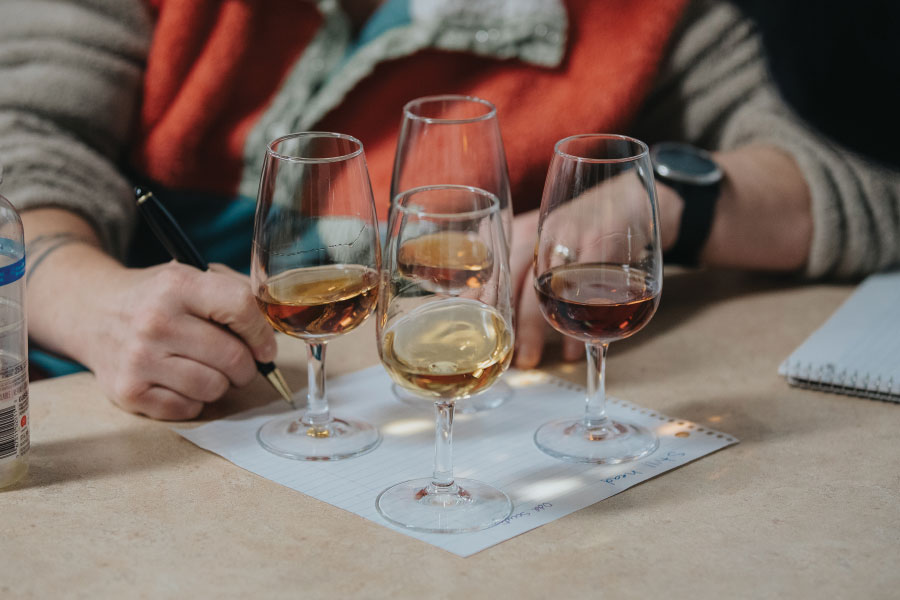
column 70, row 75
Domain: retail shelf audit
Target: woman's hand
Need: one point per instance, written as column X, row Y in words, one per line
column 171, row 338
column 531, row 328
column 162, row 341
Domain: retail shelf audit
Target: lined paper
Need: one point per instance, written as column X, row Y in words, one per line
column 857, row 350
column 494, row 446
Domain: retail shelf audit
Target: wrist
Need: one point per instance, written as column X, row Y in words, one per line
column 671, row 207
column 62, row 299
column 696, row 178
column 763, row 218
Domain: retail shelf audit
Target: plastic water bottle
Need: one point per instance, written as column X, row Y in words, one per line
column 14, row 425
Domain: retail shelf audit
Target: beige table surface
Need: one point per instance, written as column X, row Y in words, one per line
column 807, row 505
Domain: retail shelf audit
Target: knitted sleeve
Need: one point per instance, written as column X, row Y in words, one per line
column 714, row 91
column 70, row 75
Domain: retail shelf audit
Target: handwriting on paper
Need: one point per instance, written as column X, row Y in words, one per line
column 628, row 477
column 654, row 463
column 525, row 513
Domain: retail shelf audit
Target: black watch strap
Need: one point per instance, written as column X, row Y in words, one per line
column 696, row 221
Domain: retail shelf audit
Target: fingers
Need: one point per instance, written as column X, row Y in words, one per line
column 171, row 338
column 214, row 348
column 143, row 366
column 224, row 297
column 530, row 323
column 161, row 403
column 572, row 349
column 521, row 254
column 189, row 379
column 529, row 327
column 228, row 271
column 162, row 330
column 170, row 388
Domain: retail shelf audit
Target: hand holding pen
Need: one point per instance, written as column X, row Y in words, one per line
column 244, row 324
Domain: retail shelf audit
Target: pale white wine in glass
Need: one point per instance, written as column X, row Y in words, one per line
column 445, row 333
column 454, row 139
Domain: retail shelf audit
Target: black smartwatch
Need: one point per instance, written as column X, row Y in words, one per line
column 697, row 178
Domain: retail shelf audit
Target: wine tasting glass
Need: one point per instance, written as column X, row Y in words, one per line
column 598, row 277
column 315, row 267
column 453, row 139
column 444, row 333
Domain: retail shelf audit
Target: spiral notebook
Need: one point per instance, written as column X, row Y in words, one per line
column 857, row 350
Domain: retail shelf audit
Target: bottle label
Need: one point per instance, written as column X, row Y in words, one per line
column 13, row 272
column 14, row 438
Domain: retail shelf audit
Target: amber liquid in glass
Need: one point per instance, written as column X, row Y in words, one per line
column 319, row 302
column 446, row 260
column 596, row 303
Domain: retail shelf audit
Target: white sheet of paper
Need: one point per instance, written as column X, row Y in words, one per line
column 494, row 446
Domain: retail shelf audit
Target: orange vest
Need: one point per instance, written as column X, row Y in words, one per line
column 215, row 65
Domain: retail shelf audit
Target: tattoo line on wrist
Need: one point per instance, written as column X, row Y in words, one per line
column 46, row 244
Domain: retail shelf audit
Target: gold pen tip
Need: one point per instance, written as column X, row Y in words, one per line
column 277, row 380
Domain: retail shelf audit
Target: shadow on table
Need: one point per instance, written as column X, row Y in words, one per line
column 256, row 395
column 747, row 425
column 687, row 294
column 99, row 456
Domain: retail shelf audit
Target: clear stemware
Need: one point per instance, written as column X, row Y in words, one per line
column 454, row 139
column 598, row 277
column 315, row 267
column 445, row 333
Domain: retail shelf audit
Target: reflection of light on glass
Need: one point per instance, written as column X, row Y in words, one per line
column 715, row 419
column 525, row 378
column 407, row 427
column 670, row 429
column 548, row 489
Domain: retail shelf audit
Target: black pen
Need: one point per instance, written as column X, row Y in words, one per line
column 172, row 236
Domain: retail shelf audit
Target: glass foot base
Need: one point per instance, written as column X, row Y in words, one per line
column 289, row 437
column 468, row 505
column 489, row 399
column 612, row 443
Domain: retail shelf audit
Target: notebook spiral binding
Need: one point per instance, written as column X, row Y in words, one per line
column 826, row 378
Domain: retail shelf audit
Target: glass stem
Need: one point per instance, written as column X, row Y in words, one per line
column 443, row 446
column 316, row 401
column 595, row 403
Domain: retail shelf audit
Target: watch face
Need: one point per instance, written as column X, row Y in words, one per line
column 684, row 163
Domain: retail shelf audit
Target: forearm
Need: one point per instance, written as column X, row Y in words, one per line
column 763, row 218
column 66, row 271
